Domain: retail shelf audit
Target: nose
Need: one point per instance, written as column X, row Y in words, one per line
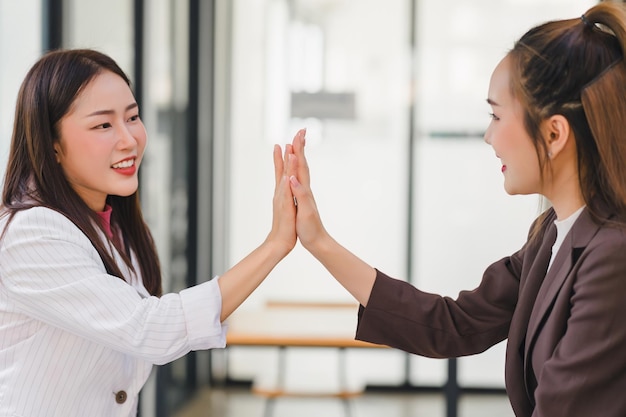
column 486, row 137
column 126, row 139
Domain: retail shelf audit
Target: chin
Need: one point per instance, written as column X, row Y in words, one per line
column 129, row 188
column 509, row 190
column 125, row 193
column 517, row 191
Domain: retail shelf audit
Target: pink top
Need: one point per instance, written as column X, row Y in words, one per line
column 105, row 216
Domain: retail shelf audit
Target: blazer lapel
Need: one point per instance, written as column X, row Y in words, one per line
column 576, row 240
column 132, row 278
column 550, row 287
column 529, row 287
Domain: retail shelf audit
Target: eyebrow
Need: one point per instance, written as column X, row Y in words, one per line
column 491, row 102
column 101, row 112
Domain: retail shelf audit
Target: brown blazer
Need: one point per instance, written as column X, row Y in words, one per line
column 566, row 349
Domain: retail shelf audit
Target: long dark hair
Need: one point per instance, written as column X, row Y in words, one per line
column 576, row 68
column 34, row 178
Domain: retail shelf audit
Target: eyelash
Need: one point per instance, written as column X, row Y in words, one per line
column 108, row 125
column 493, row 116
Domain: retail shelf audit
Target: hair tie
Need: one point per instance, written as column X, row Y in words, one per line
column 587, row 22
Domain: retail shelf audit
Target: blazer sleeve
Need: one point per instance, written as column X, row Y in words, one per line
column 401, row 316
column 50, row 272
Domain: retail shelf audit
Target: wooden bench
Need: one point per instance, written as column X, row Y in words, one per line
column 299, row 324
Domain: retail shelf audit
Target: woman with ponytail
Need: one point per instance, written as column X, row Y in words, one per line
column 559, row 128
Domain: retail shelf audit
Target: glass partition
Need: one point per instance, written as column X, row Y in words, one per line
column 460, row 208
column 393, row 98
column 18, row 20
column 104, row 26
column 342, row 69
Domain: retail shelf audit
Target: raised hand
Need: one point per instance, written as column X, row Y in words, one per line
column 309, row 225
column 284, row 210
column 350, row 271
column 238, row 282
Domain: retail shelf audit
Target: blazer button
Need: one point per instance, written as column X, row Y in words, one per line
column 120, row 397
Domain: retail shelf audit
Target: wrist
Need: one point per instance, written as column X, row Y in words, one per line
column 319, row 245
column 279, row 248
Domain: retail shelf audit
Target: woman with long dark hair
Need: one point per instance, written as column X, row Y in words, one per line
column 82, row 314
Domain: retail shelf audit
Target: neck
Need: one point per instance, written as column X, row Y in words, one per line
column 562, row 186
column 565, row 195
column 566, row 203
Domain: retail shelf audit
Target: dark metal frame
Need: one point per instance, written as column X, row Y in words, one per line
column 198, row 147
column 51, row 24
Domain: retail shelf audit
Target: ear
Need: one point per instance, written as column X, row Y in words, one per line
column 556, row 131
column 57, row 151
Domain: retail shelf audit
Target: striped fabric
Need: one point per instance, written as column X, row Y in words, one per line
column 75, row 341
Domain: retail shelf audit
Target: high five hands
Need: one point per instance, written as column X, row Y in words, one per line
column 293, row 202
column 353, row 273
column 309, row 228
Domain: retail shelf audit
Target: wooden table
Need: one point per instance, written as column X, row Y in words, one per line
column 299, row 324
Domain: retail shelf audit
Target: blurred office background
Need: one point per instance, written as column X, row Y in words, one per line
column 392, row 94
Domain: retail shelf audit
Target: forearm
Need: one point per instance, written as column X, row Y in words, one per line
column 243, row 278
column 356, row 276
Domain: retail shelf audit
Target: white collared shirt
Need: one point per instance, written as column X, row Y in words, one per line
column 75, row 341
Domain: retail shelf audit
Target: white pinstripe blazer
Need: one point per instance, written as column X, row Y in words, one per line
column 72, row 337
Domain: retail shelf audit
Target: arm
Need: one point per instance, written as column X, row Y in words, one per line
column 51, row 273
column 398, row 314
column 352, row 273
column 239, row 281
column 401, row 316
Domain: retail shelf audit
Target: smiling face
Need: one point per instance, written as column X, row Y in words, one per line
column 102, row 140
column 508, row 137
